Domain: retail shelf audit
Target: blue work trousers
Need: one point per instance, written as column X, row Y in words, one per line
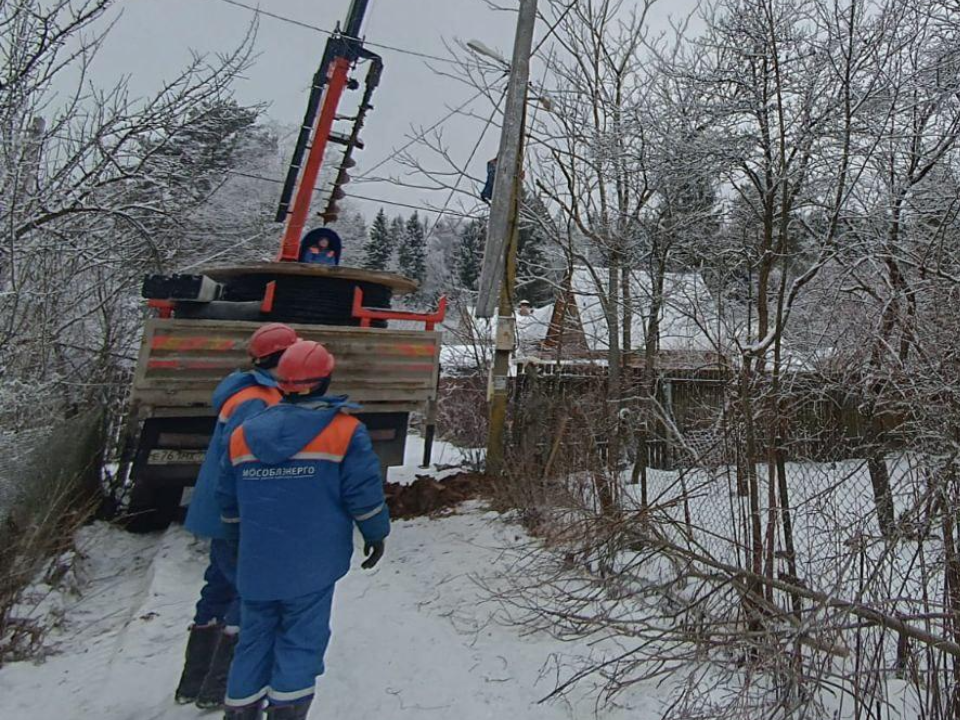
column 281, row 648
column 218, row 597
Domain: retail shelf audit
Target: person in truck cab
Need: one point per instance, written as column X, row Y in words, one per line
column 297, row 478
column 213, row 634
column 321, row 246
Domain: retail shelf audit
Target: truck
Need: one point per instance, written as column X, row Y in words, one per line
column 202, row 321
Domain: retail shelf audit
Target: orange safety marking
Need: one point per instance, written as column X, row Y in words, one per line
column 415, row 350
column 164, row 308
column 208, row 364
column 172, row 342
column 335, row 438
column 266, row 306
column 271, row 396
column 239, row 449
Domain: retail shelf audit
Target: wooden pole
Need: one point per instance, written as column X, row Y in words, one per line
column 508, row 164
column 499, row 258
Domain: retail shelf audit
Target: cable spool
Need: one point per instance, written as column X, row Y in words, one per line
column 304, row 300
column 310, row 300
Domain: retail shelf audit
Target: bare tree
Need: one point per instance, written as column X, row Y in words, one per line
column 92, row 194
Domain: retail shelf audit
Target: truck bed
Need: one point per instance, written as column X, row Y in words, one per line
column 390, row 373
column 181, row 362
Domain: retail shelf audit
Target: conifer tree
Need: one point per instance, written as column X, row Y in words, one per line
column 412, row 250
column 470, row 253
column 397, row 230
column 378, row 248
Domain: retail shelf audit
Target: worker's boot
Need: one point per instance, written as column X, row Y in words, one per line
column 214, row 687
column 297, row 711
column 254, row 711
column 200, row 651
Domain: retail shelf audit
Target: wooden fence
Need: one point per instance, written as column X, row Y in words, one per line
column 813, row 419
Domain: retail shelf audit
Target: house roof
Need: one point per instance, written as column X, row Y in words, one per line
column 687, row 308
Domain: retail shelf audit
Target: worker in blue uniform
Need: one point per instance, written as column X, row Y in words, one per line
column 321, row 246
column 213, row 634
column 486, row 194
column 297, row 479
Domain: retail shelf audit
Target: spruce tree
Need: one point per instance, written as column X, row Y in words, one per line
column 397, row 230
column 412, row 251
column 378, row 248
column 470, row 253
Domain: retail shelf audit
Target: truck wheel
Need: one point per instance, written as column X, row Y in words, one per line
column 163, row 510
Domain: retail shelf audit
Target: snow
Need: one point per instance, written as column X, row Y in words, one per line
column 418, row 637
column 412, row 639
column 464, row 359
column 687, row 308
column 447, row 460
column 470, row 345
column 532, row 329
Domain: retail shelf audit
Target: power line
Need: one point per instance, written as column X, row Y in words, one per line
column 325, row 31
column 231, row 249
column 424, row 208
column 473, row 153
column 419, row 137
column 553, row 28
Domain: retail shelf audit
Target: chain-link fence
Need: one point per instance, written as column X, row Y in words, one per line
column 770, row 528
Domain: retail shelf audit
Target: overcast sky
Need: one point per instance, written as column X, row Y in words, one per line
column 154, row 38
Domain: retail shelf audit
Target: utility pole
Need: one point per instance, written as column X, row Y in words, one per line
column 499, row 257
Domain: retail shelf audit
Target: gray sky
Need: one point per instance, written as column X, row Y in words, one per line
column 154, row 38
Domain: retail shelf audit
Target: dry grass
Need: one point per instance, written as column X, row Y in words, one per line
column 57, row 491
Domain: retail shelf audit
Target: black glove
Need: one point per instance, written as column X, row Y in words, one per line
column 373, row 551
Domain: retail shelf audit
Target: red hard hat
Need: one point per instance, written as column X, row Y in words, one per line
column 304, row 366
column 271, row 338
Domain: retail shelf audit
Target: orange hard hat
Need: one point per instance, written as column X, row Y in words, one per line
column 304, row 367
column 270, row 339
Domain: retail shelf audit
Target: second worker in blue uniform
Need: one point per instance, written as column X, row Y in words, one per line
column 296, row 480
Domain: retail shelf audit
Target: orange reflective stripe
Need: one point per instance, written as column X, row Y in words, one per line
column 271, row 396
column 332, row 442
column 239, row 449
column 174, row 342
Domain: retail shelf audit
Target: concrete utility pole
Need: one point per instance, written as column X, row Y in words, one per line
column 508, row 164
column 500, row 251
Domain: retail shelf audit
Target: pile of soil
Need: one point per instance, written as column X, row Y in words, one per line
column 428, row 496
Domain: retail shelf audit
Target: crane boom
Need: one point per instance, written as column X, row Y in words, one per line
column 343, row 49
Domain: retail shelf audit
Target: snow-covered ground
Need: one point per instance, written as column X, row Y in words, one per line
column 443, row 455
column 412, row 639
column 416, row 638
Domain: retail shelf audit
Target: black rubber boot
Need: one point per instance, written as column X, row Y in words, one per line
column 214, row 687
column 297, row 711
column 200, row 651
column 247, row 712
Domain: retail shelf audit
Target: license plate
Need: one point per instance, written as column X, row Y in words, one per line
column 175, row 457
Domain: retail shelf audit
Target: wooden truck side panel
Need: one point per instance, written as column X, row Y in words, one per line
column 384, row 370
column 390, row 373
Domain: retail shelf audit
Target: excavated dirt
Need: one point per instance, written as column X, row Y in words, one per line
column 427, row 496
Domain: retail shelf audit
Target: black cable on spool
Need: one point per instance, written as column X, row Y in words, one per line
column 327, row 302
column 218, row 310
column 311, row 300
column 246, row 288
